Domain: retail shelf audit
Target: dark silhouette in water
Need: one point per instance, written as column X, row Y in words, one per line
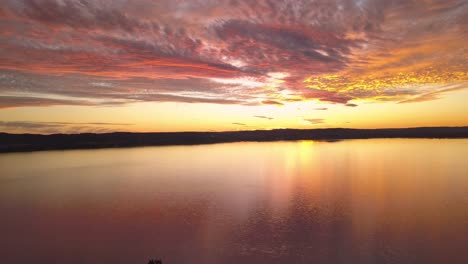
column 31, row 142
column 155, row 261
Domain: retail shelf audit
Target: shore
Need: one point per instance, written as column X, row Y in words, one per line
column 36, row 142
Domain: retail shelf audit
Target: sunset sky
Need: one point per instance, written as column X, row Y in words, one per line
column 206, row 65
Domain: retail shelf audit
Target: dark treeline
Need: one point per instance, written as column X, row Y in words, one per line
column 32, row 142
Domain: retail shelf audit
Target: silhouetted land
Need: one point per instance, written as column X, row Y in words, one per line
column 33, row 142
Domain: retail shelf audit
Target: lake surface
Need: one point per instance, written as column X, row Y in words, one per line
column 353, row 201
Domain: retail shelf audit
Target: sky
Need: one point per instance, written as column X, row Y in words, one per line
column 205, row 65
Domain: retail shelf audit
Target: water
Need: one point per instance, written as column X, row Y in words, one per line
column 354, row 201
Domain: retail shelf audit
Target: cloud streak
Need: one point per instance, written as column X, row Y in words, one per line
column 314, row 121
column 60, row 127
column 239, row 124
column 264, row 117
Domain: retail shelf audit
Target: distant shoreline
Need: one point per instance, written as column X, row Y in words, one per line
column 36, row 142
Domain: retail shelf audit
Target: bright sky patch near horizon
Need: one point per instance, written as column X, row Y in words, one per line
column 206, row 65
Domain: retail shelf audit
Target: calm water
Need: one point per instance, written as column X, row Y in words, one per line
column 355, row 201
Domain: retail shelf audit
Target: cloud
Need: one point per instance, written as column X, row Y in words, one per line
column 252, row 41
column 321, row 108
column 271, row 102
column 314, row 121
column 91, row 90
column 351, row 105
column 60, row 127
column 81, row 15
column 17, row 101
column 264, row 117
column 433, row 95
column 239, row 124
column 229, row 52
